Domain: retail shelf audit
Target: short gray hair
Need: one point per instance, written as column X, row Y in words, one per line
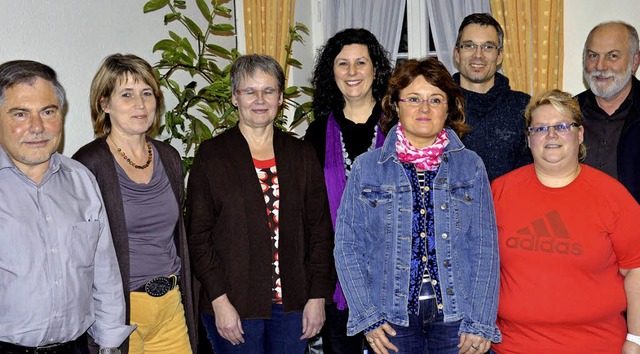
column 633, row 37
column 246, row 66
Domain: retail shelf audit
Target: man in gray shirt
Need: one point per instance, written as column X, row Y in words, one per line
column 59, row 277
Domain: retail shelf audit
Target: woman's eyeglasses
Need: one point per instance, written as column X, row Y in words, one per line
column 251, row 93
column 562, row 128
column 433, row 102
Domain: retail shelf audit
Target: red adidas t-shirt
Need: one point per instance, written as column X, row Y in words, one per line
column 560, row 254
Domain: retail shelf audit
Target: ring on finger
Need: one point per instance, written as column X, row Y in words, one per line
column 474, row 347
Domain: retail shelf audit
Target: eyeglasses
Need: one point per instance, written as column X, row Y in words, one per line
column 562, row 128
column 472, row 47
column 433, row 102
column 252, row 94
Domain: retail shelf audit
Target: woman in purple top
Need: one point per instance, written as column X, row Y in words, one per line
column 350, row 79
column 142, row 185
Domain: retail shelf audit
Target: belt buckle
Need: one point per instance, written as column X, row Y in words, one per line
column 159, row 286
column 46, row 348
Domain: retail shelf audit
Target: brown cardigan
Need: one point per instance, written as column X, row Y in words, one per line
column 229, row 240
column 99, row 160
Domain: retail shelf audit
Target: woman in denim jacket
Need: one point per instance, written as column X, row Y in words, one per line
column 416, row 239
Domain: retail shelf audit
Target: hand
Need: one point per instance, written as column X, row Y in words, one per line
column 312, row 318
column 227, row 320
column 630, row 348
column 472, row 344
column 378, row 339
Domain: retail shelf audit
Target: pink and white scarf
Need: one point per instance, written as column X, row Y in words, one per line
column 428, row 158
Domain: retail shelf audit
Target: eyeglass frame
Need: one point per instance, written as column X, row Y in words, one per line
column 421, row 101
column 560, row 128
column 243, row 92
column 484, row 47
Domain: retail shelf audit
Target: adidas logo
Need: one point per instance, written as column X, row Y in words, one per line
column 542, row 240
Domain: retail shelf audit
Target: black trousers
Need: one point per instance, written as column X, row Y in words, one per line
column 77, row 346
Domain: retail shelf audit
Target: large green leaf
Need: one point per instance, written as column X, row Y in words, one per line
column 222, row 27
column 218, row 49
column 193, row 27
column 165, row 44
column 153, row 5
column 291, row 90
column 204, row 9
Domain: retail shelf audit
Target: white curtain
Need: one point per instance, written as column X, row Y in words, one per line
column 382, row 17
column 445, row 18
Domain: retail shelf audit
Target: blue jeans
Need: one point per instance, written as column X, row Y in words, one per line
column 278, row 335
column 334, row 333
column 427, row 333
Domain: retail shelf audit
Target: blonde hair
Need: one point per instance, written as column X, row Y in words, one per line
column 562, row 102
column 113, row 71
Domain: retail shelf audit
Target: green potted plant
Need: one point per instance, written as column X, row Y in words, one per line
column 204, row 106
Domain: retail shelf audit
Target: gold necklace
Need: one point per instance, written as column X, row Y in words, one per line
column 140, row 167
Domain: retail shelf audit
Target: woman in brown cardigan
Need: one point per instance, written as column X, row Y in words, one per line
column 142, row 186
column 259, row 227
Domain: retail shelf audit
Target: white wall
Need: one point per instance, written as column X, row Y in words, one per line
column 73, row 36
column 580, row 17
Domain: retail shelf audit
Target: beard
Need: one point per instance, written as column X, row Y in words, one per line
column 601, row 89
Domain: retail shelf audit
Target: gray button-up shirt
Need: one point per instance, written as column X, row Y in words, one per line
column 59, row 275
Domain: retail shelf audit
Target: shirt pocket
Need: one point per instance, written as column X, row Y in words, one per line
column 376, row 196
column 84, row 241
column 464, row 197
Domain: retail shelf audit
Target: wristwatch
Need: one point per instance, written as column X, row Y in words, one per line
column 104, row 350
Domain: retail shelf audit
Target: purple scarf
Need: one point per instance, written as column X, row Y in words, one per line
column 336, row 180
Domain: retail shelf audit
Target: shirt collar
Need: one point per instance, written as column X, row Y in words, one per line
column 55, row 163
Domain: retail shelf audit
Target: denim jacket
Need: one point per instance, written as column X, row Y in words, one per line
column 373, row 240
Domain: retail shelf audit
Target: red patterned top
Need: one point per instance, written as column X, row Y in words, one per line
column 268, row 177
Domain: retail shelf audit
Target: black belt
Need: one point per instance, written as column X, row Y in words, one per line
column 159, row 286
column 78, row 345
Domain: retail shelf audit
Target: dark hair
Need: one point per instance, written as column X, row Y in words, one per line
column 246, row 66
column 482, row 19
column 113, row 70
column 327, row 97
column 26, row 72
column 437, row 75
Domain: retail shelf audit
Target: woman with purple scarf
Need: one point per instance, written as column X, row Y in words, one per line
column 350, row 79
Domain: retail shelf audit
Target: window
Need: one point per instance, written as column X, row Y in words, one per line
column 416, row 40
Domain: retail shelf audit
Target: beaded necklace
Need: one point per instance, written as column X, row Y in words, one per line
column 140, row 167
column 345, row 155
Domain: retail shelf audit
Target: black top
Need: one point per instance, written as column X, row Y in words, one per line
column 497, row 126
column 626, row 145
column 357, row 137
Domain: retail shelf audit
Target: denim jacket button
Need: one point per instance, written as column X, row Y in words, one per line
column 442, row 180
column 449, row 291
column 444, row 235
column 445, row 158
column 440, row 306
column 446, row 263
column 443, row 206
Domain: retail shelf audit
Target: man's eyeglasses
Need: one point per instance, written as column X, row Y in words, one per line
column 562, row 128
column 251, row 93
column 472, row 47
column 433, row 102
